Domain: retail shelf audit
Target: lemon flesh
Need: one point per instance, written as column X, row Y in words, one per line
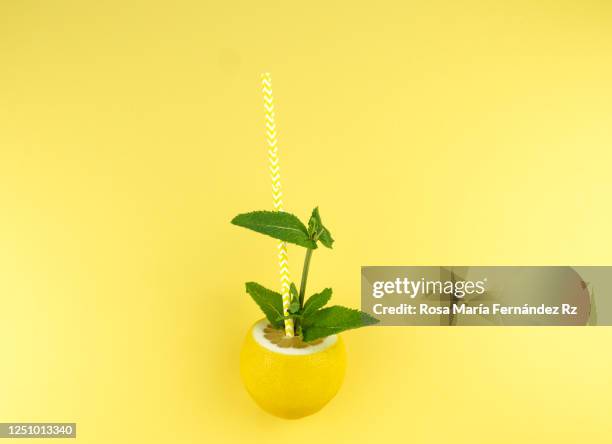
column 291, row 382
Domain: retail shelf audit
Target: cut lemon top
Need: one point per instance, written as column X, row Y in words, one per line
column 260, row 337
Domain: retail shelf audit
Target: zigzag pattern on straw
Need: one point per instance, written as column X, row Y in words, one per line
column 277, row 194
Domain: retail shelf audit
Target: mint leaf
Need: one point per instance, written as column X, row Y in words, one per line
column 314, row 223
column 276, row 224
column 315, row 302
column 332, row 320
column 294, row 307
column 270, row 302
column 294, row 292
column 317, row 230
column 325, row 238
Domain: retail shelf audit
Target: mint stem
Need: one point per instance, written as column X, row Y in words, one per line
column 305, row 276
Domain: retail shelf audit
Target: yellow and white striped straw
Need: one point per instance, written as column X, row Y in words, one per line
column 277, row 194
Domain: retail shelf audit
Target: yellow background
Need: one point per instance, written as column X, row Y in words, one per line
column 438, row 132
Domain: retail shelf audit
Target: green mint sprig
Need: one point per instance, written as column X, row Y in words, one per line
column 312, row 321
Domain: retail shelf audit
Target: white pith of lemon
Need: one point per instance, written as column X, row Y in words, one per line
column 291, row 382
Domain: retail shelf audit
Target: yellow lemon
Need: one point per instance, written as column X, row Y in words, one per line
column 291, row 379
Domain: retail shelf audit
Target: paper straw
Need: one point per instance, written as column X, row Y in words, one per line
column 277, row 195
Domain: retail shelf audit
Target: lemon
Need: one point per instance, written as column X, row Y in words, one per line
column 291, row 381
